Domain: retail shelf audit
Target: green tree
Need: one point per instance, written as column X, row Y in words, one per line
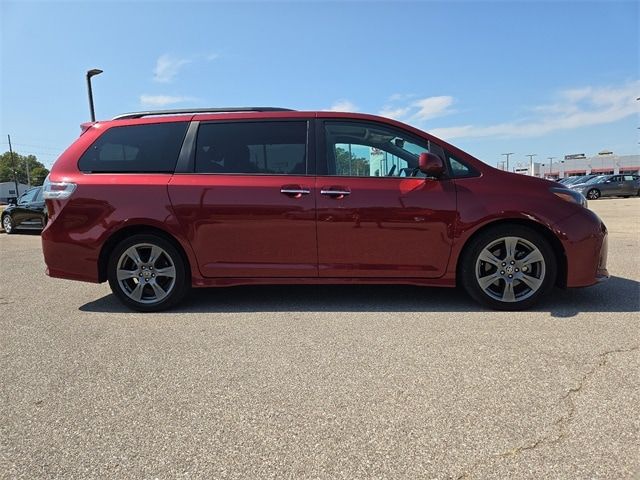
column 18, row 164
column 350, row 164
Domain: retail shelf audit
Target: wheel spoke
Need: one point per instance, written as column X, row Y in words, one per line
column 157, row 289
column 532, row 282
column 510, row 244
column 485, row 282
column 136, row 294
column 166, row 272
column 508, row 295
column 487, row 256
column 533, row 257
column 133, row 254
column 155, row 254
column 126, row 274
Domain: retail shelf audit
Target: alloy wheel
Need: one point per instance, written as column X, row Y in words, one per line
column 7, row 224
column 510, row 269
column 593, row 194
column 146, row 273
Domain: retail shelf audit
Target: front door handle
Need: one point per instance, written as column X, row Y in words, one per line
column 294, row 191
column 336, row 192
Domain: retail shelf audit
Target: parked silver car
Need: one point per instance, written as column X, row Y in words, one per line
column 609, row 186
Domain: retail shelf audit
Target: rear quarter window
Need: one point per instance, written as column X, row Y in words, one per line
column 152, row 148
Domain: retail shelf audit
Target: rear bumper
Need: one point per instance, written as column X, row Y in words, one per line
column 67, row 258
column 585, row 241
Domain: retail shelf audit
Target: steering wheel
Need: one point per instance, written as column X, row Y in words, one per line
column 391, row 171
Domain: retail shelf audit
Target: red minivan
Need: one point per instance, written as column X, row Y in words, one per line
column 157, row 202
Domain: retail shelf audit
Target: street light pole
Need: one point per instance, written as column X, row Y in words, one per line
column 550, row 165
column 531, row 162
column 92, row 73
column 507, row 155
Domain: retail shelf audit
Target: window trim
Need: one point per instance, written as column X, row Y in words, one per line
column 187, row 162
column 321, row 148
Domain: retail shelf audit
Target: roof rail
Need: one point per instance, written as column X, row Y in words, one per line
column 199, row 110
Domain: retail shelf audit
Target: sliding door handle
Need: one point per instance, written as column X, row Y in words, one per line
column 294, row 191
column 335, row 191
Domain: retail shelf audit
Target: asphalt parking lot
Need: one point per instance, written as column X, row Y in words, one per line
column 320, row 382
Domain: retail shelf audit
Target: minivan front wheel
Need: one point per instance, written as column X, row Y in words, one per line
column 508, row 267
column 147, row 273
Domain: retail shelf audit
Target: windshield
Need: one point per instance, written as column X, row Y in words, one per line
column 597, row 179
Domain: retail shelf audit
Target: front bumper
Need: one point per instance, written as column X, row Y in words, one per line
column 585, row 241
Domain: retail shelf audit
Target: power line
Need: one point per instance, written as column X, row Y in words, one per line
column 55, row 149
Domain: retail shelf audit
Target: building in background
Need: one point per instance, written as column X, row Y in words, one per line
column 8, row 191
column 605, row 162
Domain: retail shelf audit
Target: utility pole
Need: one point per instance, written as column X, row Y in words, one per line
column 531, row 162
column 26, row 161
column 15, row 169
column 507, row 155
column 551, row 165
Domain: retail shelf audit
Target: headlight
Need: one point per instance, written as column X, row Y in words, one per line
column 570, row 196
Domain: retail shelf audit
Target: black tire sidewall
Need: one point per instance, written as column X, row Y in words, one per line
column 477, row 244
column 593, row 190
column 182, row 281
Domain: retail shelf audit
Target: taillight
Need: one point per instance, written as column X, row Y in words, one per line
column 57, row 190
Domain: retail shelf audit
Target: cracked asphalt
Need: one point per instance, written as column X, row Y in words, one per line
column 320, row 382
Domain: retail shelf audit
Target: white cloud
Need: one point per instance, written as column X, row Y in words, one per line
column 211, row 56
column 395, row 113
column 168, row 67
column 343, row 106
column 417, row 110
column 162, row 100
column 575, row 108
column 432, row 107
column 400, row 97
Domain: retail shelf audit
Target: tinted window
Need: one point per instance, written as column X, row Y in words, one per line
column 28, row 196
column 252, row 148
column 372, row 150
column 136, row 148
column 459, row 169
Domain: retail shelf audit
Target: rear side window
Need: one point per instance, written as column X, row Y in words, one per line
column 152, row 148
column 252, row 148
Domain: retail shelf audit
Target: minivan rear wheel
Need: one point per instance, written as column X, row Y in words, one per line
column 509, row 267
column 147, row 273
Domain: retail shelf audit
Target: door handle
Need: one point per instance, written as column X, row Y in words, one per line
column 294, row 191
column 336, row 192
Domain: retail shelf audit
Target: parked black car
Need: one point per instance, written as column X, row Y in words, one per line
column 29, row 213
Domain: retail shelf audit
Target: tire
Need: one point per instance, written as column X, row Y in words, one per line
column 486, row 258
column 593, row 194
column 8, row 225
column 165, row 276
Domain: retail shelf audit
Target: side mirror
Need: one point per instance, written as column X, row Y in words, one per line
column 431, row 165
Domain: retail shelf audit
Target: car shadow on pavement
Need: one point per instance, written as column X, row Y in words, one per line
column 616, row 295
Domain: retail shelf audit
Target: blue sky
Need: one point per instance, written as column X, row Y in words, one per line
column 549, row 78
